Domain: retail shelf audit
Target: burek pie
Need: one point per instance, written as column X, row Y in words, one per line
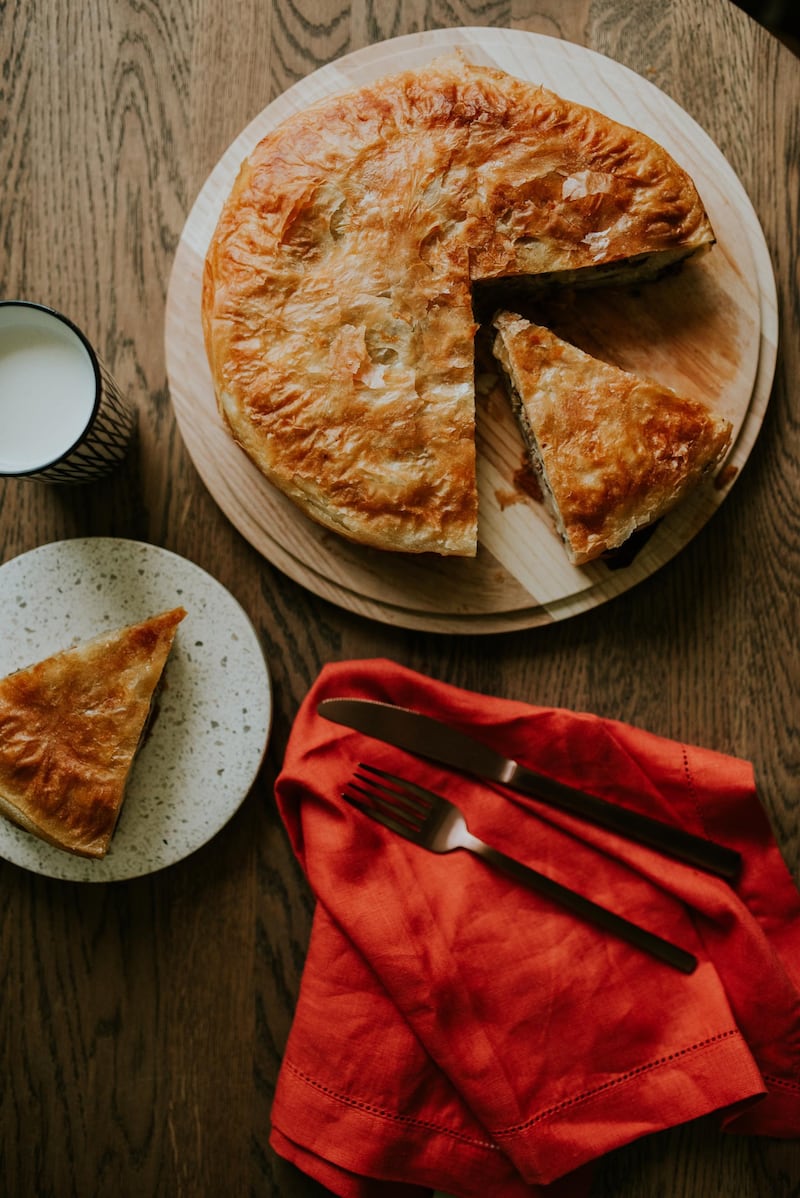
column 70, row 727
column 614, row 452
column 337, row 291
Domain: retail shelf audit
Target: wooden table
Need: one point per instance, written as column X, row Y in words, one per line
column 144, row 1021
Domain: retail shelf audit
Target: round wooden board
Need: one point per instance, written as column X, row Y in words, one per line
column 710, row 331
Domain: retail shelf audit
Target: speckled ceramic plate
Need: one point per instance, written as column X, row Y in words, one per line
column 209, row 738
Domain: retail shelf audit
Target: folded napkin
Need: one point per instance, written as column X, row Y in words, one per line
column 457, row 1032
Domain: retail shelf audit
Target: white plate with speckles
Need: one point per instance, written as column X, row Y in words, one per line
column 208, row 740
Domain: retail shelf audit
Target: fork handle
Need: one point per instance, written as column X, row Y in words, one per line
column 657, row 947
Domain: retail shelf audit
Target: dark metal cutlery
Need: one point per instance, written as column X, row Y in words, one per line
column 433, row 822
column 427, row 737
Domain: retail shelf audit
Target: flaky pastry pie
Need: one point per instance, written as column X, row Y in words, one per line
column 337, row 291
column 614, row 452
column 70, row 727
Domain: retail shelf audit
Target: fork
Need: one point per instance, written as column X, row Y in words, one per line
column 433, row 822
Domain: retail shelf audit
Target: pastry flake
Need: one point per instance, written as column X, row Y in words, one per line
column 614, row 452
column 70, row 727
column 338, row 285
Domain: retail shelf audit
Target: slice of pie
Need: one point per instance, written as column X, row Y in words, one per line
column 70, row 727
column 614, row 452
column 338, row 285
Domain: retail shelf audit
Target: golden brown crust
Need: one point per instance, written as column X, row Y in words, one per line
column 615, row 452
column 336, row 294
column 70, row 727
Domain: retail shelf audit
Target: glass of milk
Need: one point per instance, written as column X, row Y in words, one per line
column 63, row 418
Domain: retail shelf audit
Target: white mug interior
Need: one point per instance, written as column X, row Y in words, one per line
column 50, row 387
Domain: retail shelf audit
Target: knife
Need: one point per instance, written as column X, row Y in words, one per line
column 431, row 738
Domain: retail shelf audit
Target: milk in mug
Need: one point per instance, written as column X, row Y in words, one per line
column 48, row 388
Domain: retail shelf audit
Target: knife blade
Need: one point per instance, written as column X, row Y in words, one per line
column 437, row 741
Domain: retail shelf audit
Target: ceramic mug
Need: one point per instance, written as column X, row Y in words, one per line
column 63, row 419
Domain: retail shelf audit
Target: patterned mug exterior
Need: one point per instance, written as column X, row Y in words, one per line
column 106, row 436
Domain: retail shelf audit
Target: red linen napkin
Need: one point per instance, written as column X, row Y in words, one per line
column 457, row 1032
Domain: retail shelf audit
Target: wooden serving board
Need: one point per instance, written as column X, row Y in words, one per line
column 710, row 331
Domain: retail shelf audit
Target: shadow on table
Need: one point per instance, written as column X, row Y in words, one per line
column 781, row 17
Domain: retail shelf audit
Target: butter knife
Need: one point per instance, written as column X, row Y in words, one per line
column 437, row 741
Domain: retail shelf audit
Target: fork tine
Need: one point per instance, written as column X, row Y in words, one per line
column 415, row 796
column 394, row 799
column 390, row 803
column 405, row 830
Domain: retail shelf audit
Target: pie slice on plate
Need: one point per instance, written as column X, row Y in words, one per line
column 614, row 452
column 70, row 727
column 338, row 286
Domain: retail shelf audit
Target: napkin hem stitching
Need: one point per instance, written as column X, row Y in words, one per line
column 623, row 1079
column 381, row 1113
column 687, row 769
column 783, row 1083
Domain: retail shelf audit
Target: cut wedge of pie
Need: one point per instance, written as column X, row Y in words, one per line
column 338, row 285
column 614, row 452
column 70, row 727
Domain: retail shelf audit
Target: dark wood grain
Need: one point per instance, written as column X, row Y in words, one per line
column 143, row 1023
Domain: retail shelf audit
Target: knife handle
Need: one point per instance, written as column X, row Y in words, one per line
column 666, row 838
column 609, row 921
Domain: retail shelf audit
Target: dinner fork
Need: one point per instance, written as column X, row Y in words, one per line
column 433, row 822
